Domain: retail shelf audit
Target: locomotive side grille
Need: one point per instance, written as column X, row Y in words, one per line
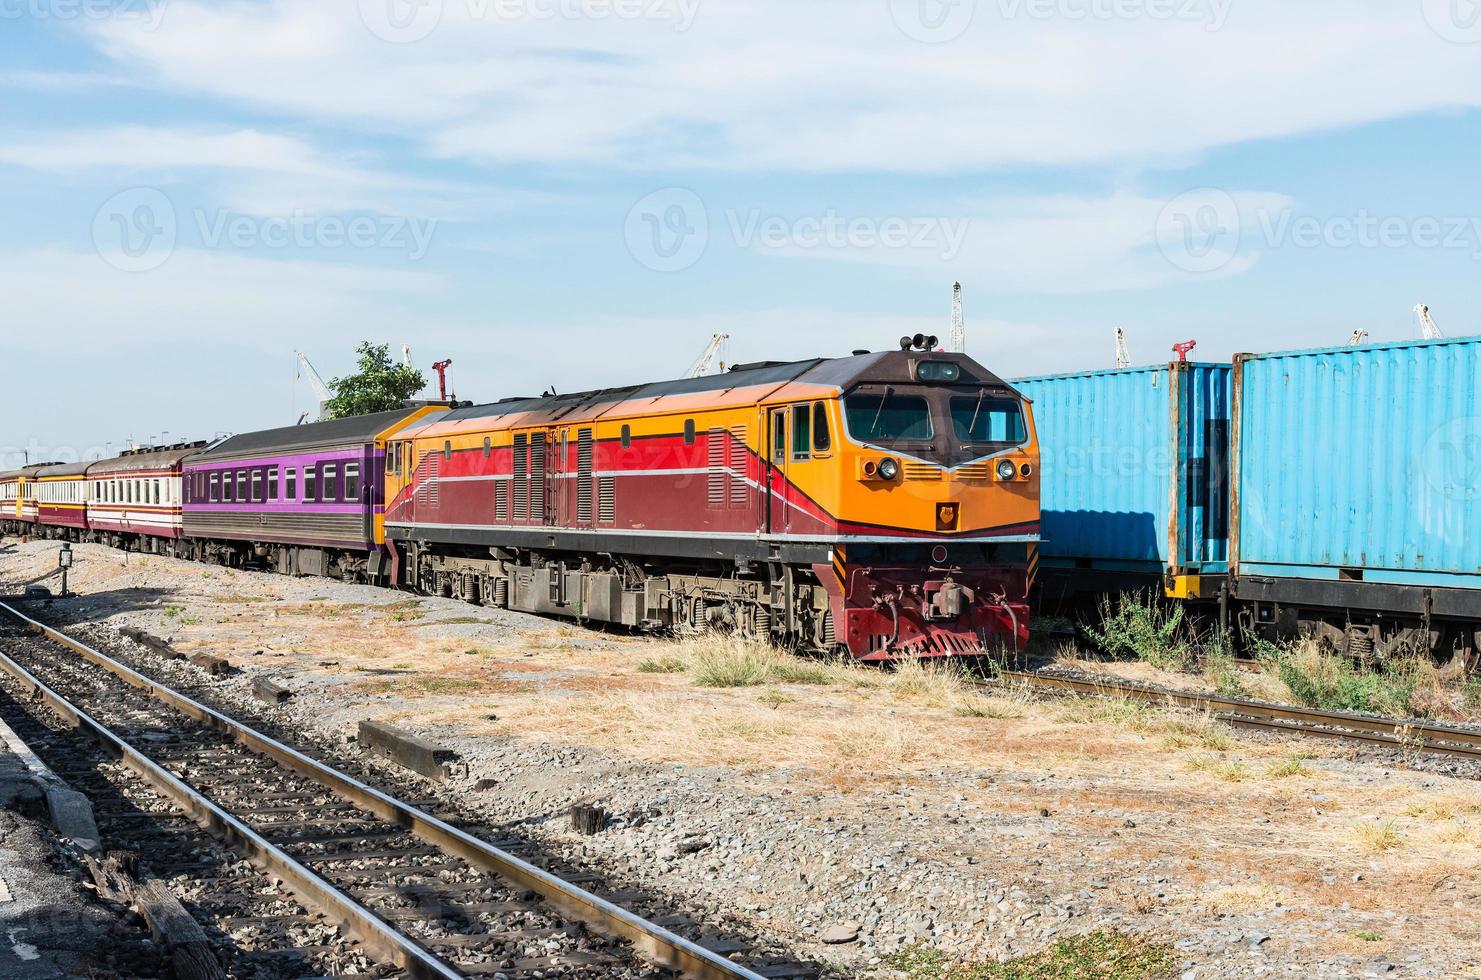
column 606, row 499
column 431, row 480
column 921, row 471
column 973, row 471
column 521, row 481
column 537, row 477
column 583, row 476
column 739, row 492
column 717, row 474
column 501, row 500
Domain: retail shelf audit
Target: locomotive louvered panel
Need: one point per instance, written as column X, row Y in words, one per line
column 740, row 492
column 521, row 482
column 921, row 471
column 606, row 499
column 501, row 500
column 432, row 480
column 537, row 477
column 583, row 476
column 717, row 472
column 973, row 471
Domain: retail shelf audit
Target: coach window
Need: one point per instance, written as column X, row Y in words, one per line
column 215, row 495
column 820, row 441
column 352, row 481
column 329, row 485
column 627, row 436
column 242, row 497
column 272, row 483
column 310, row 484
column 256, row 485
column 689, row 432
column 802, row 432
column 290, row 478
column 154, row 491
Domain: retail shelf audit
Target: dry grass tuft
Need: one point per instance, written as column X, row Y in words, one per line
column 1378, row 836
column 1199, row 730
column 1229, row 770
column 1292, row 765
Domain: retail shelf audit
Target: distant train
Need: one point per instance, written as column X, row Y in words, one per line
column 883, row 504
column 1333, row 493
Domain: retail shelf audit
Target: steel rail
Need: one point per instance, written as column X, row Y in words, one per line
column 1463, row 743
column 380, row 939
column 651, row 941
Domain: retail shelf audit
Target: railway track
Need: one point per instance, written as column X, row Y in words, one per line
column 408, row 889
column 1372, row 730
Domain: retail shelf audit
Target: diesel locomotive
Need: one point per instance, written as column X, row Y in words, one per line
column 881, row 504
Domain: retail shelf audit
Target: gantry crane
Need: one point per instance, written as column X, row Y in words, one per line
column 1123, row 356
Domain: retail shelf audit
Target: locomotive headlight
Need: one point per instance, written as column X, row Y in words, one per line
column 1007, row 469
column 888, row 469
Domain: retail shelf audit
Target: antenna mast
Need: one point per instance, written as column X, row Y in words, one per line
column 956, row 338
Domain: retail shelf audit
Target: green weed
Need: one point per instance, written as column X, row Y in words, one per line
column 1140, row 626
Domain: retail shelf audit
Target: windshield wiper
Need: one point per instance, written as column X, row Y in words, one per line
column 874, row 426
column 972, row 426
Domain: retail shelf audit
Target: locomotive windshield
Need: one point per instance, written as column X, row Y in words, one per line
column 889, row 417
column 983, row 419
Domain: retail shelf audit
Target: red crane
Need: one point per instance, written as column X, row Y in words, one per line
column 1184, row 349
column 441, row 368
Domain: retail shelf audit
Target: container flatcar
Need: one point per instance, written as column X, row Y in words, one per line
column 1134, row 477
column 885, row 504
column 1357, row 505
column 302, row 499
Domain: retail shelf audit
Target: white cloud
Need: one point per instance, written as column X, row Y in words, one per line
column 825, row 85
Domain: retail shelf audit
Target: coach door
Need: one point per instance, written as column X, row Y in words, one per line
column 778, row 516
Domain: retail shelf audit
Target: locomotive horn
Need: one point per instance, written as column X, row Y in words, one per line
column 932, row 342
column 905, row 343
column 919, row 340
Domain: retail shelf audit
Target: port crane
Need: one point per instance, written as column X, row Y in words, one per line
column 706, row 360
column 306, row 370
column 1427, row 325
column 1123, row 356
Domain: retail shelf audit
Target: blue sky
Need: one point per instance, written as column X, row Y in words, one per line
column 580, row 192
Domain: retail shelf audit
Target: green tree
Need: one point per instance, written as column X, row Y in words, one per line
column 380, row 385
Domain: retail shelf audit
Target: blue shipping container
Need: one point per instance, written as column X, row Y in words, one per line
column 1133, row 469
column 1361, row 464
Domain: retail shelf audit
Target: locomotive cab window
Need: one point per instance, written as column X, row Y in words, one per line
column 820, row 440
column 779, row 436
column 802, row 432
column 988, row 420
